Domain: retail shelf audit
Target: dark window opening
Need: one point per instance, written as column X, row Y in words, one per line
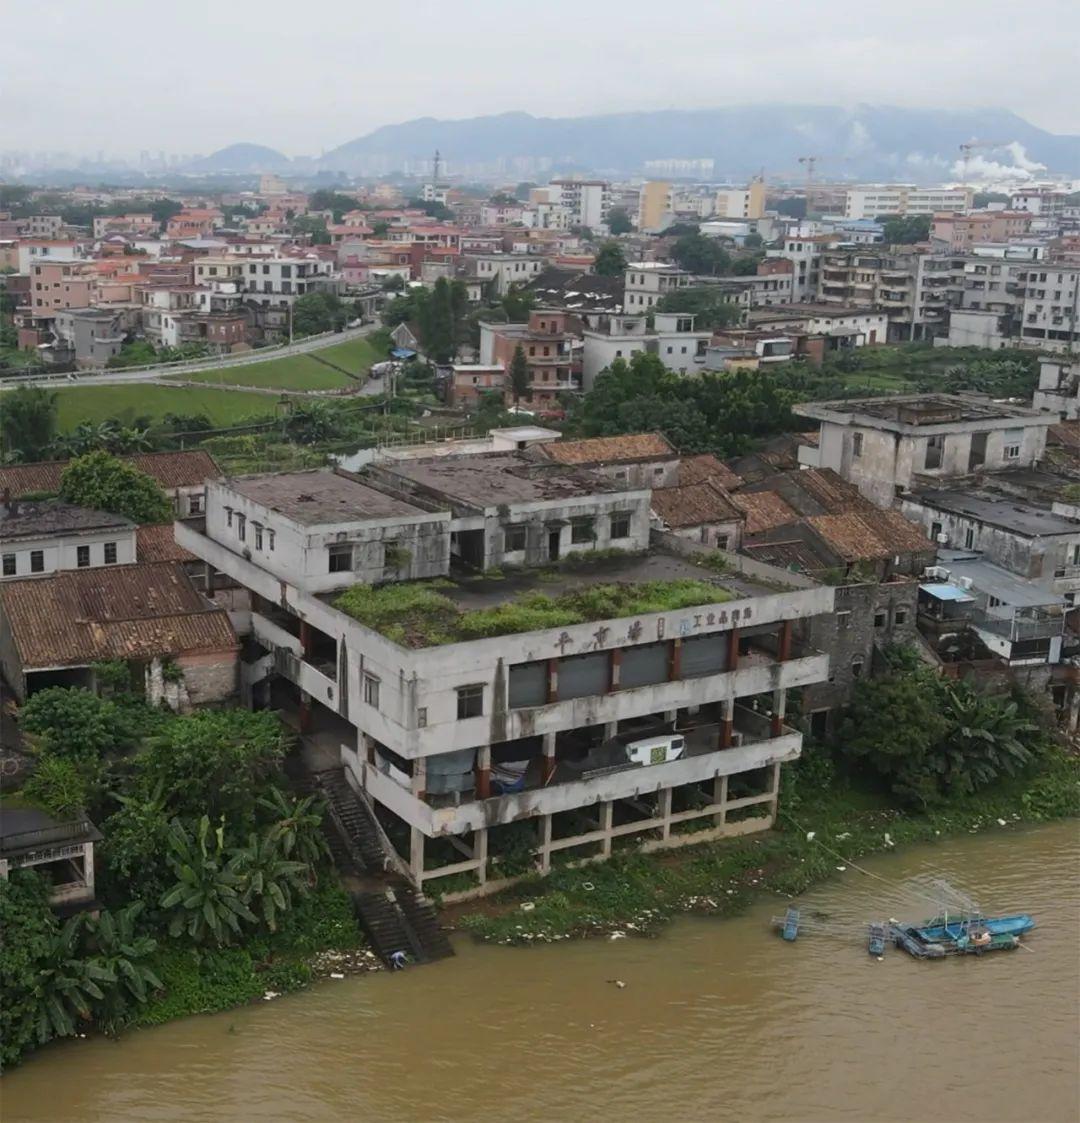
column 82, row 556
column 110, row 553
column 470, row 701
column 339, row 558
column 620, row 525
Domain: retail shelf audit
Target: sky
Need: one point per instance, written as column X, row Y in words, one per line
column 121, row 76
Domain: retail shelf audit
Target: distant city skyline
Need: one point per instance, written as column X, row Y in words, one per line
column 216, row 74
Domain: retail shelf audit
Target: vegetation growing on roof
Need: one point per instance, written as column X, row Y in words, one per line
column 419, row 615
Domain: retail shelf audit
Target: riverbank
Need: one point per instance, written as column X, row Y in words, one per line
column 820, row 829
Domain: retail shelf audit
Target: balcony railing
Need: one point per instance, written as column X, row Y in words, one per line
column 44, row 837
column 1017, row 628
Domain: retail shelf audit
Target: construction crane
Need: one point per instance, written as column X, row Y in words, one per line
column 970, row 146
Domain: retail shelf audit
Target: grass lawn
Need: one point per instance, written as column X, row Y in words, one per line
column 297, row 372
column 96, row 403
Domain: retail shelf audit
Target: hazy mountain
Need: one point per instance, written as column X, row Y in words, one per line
column 862, row 142
column 243, row 159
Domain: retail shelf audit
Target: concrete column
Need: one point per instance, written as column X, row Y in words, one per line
column 733, row 650
column 720, row 797
column 610, row 729
column 545, row 843
column 547, row 761
column 88, row 866
column 208, row 578
column 305, row 712
column 483, row 772
column 606, row 810
column 614, row 668
column 779, row 702
column 664, row 810
column 480, row 851
column 727, row 722
column 419, row 778
column 305, row 638
column 553, row 680
column 675, row 661
column 416, row 855
column 783, row 647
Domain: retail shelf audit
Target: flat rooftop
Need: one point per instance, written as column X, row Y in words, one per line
column 996, row 510
column 321, row 496
column 491, row 479
column 43, row 518
column 911, row 411
column 985, row 577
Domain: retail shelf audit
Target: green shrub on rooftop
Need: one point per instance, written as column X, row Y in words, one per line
column 418, row 615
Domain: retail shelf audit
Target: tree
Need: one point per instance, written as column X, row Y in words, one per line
column 312, row 422
column 519, row 374
column 136, row 843
column 100, row 481
column 327, row 200
column 794, row 207
column 698, row 254
column 73, row 722
column 610, row 260
column 431, row 208
column 517, row 304
column 619, row 221
column 317, row 312
column 706, row 303
column 297, row 824
column 68, row 984
column 314, row 226
column 205, row 903
column 115, row 943
column 269, row 879
column 753, row 241
column 27, row 422
column 905, row 230
column 27, row 930
column 746, row 264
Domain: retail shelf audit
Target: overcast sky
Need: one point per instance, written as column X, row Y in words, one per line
column 125, row 75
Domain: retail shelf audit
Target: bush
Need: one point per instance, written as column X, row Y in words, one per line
column 63, row 786
column 101, row 481
column 73, row 722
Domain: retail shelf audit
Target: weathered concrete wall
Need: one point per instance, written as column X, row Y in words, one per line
column 210, row 677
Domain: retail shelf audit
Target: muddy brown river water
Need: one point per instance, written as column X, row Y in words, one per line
column 718, row 1021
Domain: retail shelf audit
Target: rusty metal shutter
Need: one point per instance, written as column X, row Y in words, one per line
column 582, row 675
column 642, row 666
column 528, row 685
column 704, row 655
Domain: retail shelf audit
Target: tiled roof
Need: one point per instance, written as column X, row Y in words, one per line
column 609, row 450
column 870, row 533
column 170, row 469
column 694, row 505
column 158, row 544
column 83, row 616
column 44, row 518
column 698, row 469
column 764, row 510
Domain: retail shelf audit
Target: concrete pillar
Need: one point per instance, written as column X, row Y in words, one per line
column 480, row 852
column 675, row 661
column 783, row 647
column 306, row 639
column 419, row 778
column 416, row 855
column 733, row 650
column 547, row 761
column 727, row 722
column 553, row 680
column 720, row 797
column 208, row 579
column 671, row 716
column 483, row 772
column 606, row 810
column 614, row 668
column 779, row 702
column 305, row 712
column 664, row 810
column 610, row 729
column 545, row 843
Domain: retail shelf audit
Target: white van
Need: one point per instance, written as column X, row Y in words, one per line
column 656, row 750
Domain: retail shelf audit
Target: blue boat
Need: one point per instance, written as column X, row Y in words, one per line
column 943, row 929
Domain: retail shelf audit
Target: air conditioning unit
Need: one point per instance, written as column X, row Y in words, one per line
column 965, row 582
column 937, row 573
column 942, row 538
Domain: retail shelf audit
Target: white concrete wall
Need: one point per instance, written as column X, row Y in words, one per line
column 62, row 553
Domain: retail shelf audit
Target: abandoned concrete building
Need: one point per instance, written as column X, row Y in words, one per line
column 639, row 697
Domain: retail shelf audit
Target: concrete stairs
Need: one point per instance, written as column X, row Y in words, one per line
column 354, row 820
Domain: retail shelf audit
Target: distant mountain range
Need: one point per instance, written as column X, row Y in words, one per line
column 920, row 145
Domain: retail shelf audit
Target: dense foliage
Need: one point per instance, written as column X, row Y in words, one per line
column 317, row 312
column 610, row 260
column 101, row 481
column 699, row 254
column 931, row 739
column 905, row 231
column 27, row 423
column 706, row 303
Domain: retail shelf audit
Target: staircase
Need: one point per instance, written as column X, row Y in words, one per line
column 424, row 921
column 353, row 819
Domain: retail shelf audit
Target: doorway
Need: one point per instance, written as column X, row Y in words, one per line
column 554, row 540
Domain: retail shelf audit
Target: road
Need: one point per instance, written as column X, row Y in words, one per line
column 165, row 372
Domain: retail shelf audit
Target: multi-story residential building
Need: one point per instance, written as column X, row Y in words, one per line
column 1050, row 310
column 502, row 271
column 587, row 201
column 646, row 283
column 549, row 346
column 42, row 225
column 452, row 736
column 1042, row 201
column 90, row 336
column 142, row 225
column 885, row 446
column 839, row 326
column 193, row 223
column 869, row 200
column 741, row 202
column 804, row 252
column 655, row 205
column 960, row 232
column 40, row 537
column 673, row 338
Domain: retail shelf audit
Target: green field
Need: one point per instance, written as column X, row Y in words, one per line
column 97, row 403
column 297, row 372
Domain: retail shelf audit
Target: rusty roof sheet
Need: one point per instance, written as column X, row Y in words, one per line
column 83, row 616
column 158, row 543
column 698, row 469
column 170, row 469
column 870, row 533
column 764, row 510
column 1065, row 434
column 609, row 450
column 694, row 505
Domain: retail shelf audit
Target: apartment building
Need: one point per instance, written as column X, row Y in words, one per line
column 628, row 724
column 1059, row 388
column 655, row 205
column 961, row 232
column 587, row 201
column 869, row 200
column 502, row 271
column 1045, row 202
column 741, row 202
column 89, row 337
column 838, row 326
column 886, row 446
column 548, row 344
column 674, row 339
column 804, row 252
column 646, row 283
column 142, row 225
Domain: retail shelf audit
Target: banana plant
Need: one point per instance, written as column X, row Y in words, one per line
column 69, row 985
column 297, row 824
column 269, row 879
column 117, row 945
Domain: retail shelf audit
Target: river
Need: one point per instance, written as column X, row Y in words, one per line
column 718, row 1020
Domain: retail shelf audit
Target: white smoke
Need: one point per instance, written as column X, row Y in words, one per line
column 981, row 167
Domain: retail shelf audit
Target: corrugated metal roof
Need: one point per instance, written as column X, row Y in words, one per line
column 941, row 591
column 78, row 617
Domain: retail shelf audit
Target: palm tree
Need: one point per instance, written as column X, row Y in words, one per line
column 206, row 899
column 268, row 878
column 66, row 988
